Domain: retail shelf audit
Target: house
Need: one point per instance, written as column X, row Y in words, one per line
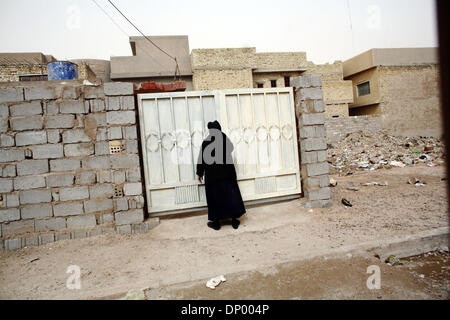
column 24, row 66
column 399, row 85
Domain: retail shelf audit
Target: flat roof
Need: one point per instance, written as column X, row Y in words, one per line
column 390, row 57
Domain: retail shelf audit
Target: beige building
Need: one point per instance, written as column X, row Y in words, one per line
column 24, row 66
column 401, row 86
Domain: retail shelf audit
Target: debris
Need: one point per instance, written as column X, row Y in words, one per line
column 310, row 211
column 349, row 255
column 35, row 259
column 333, row 183
column 376, row 255
column 368, row 184
column 214, row 282
column 135, row 295
column 393, row 261
column 346, row 203
column 422, row 276
column 351, row 186
column 416, row 182
column 360, row 151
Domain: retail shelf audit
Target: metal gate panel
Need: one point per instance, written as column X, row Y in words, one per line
column 260, row 123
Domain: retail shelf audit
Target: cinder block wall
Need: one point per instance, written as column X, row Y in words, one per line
column 59, row 179
column 339, row 128
column 310, row 112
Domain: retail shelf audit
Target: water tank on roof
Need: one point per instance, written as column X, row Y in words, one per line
column 62, row 70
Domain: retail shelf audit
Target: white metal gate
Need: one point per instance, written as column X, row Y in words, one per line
column 260, row 123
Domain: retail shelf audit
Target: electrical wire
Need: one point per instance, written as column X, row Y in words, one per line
column 177, row 68
column 125, row 33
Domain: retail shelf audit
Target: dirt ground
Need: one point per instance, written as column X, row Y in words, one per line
column 426, row 276
column 184, row 250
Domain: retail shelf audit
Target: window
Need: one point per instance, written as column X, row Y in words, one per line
column 363, row 89
column 260, row 85
column 287, row 81
column 273, row 83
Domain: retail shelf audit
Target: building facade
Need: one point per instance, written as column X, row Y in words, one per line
column 399, row 85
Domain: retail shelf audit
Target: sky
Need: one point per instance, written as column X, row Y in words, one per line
column 327, row 30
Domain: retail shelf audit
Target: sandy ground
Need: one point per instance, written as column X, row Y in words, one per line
column 182, row 250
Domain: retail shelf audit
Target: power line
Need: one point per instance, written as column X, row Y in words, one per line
column 125, row 33
column 177, row 69
column 351, row 25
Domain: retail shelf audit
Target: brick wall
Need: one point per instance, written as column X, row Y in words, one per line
column 12, row 72
column 222, row 79
column 339, row 128
column 58, row 178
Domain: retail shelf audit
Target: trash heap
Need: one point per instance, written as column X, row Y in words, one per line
column 364, row 151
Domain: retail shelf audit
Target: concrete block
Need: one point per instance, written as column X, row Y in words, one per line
column 28, row 167
column 6, row 185
column 65, row 165
column 124, row 229
column 307, row 81
column 46, row 238
column 55, row 196
column 316, row 169
column 31, row 241
column 29, row 182
column 53, row 136
column 78, row 149
column 40, row 92
column 114, row 133
column 35, row 196
column 91, row 206
column 319, row 106
column 93, row 92
column 81, row 221
column 4, row 110
column 85, row 177
column 73, row 106
column 112, row 103
column 130, row 216
column 108, row 230
column 26, row 109
column 11, row 94
column 12, row 214
column 101, row 191
column 63, row 236
column 101, row 148
column 311, row 119
column 101, row 162
column 118, row 177
column 33, row 211
column 308, row 157
column 18, row 227
column 3, row 124
column 12, row 200
column 30, row 138
column 9, row 171
column 60, row 121
column 102, row 134
column 6, row 140
column 75, row 193
column 99, row 118
column 94, row 232
column 79, row 234
column 121, row 117
column 121, row 204
column 319, row 204
column 129, row 132
column 68, row 209
column 48, row 151
column 104, row 176
column 124, row 161
column 132, row 189
column 74, row 136
column 60, row 180
column 313, row 144
column 97, row 105
column 118, row 88
column 51, row 107
column 131, row 146
column 310, row 93
column 127, row 103
column 107, row 218
column 134, row 175
column 322, row 156
column 13, row 244
column 27, row 123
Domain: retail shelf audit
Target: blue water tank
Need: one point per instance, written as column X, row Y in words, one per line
column 62, row 70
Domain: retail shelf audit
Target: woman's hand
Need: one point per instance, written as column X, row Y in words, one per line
column 200, row 179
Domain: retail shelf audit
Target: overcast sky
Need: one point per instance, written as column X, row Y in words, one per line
column 327, row 30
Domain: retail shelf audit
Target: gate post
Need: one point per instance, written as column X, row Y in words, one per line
column 310, row 113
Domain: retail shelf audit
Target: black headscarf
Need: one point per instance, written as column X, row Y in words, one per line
column 214, row 125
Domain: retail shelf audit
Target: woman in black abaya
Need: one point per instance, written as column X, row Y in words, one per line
column 222, row 191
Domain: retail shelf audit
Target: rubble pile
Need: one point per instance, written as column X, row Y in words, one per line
column 364, row 151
